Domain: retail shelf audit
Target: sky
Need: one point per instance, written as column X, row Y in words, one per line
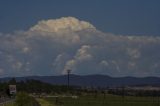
column 110, row 37
column 127, row 17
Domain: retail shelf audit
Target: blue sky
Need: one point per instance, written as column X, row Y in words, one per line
column 127, row 17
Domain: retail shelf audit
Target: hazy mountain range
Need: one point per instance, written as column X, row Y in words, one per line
column 94, row 80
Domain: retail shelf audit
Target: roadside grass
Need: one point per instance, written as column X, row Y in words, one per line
column 43, row 102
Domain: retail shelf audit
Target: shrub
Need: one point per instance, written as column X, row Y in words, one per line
column 23, row 99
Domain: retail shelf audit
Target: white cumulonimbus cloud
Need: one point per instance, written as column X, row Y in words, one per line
column 53, row 46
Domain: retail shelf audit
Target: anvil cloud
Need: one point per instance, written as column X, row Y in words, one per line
column 52, row 46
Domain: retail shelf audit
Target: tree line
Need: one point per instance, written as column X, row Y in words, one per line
column 33, row 86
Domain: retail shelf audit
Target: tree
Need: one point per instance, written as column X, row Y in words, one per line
column 12, row 81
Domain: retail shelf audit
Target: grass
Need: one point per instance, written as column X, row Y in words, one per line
column 44, row 102
column 109, row 100
column 99, row 100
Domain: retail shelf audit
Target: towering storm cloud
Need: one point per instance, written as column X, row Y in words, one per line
column 52, row 46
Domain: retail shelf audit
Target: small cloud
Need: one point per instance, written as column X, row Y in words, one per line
column 25, row 50
column 104, row 63
column 17, row 66
column 83, row 53
column 134, row 53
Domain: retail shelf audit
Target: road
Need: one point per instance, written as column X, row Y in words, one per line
column 5, row 100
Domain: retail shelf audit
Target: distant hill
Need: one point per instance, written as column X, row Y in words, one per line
column 93, row 80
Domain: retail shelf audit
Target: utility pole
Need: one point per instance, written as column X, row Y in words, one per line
column 68, row 73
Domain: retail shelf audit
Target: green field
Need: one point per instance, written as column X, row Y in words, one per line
column 108, row 100
column 99, row 100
